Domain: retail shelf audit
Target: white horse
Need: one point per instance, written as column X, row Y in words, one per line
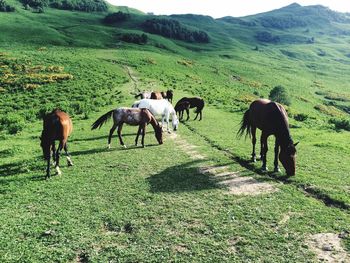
column 161, row 108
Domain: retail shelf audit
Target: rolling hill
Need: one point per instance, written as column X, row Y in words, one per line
column 168, row 203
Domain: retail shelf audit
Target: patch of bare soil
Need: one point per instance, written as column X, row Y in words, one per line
column 237, row 185
column 328, row 248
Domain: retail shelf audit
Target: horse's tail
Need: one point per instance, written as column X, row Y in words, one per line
column 245, row 126
column 102, row 120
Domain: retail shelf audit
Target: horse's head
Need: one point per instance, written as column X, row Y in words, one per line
column 175, row 122
column 45, row 146
column 287, row 158
column 159, row 133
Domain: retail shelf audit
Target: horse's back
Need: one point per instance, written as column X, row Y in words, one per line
column 265, row 114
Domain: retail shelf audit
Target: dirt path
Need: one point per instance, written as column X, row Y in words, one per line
column 134, row 79
column 328, row 248
column 236, row 184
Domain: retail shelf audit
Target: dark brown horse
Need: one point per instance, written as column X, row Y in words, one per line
column 272, row 119
column 57, row 126
column 131, row 116
column 181, row 107
column 194, row 102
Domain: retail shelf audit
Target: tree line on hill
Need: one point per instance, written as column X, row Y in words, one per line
column 173, row 29
column 4, row 7
column 77, row 5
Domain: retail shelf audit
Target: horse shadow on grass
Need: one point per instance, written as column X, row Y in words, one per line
column 105, row 149
column 96, row 138
column 181, row 178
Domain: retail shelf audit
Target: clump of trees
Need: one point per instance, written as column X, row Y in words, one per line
column 80, row 5
column 279, row 94
column 340, row 123
column 267, row 37
column 171, row 28
column 283, row 22
column 77, row 5
column 4, row 7
column 116, row 17
column 134, row 38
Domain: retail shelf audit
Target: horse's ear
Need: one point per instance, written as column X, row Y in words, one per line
column 295, row 144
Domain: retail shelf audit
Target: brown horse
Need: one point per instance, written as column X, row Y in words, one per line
column 157, row 95
column 131, row 116
column 194, row 102
column 57, row 126
column 272, row 119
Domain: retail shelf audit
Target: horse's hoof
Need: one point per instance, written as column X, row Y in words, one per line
column 58, row 170
column 264, row 169
column 109, row 146
column 169, row 132
column 69, row 161
column 124, row 146
column 253, row 160
column 277, row 170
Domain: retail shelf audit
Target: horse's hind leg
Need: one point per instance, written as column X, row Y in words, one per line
column 143, row 135
column 253, row 130
column 111, row 134
column 53, row 148
column 57, row 166
column 264, row 149
column 120, row 135
column 69, row 160
column 138, row 133
column 276, row 169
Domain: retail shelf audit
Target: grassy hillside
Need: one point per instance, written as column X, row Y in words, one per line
column 155, row 204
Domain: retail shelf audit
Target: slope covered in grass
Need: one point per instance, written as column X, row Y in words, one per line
column 154, row 204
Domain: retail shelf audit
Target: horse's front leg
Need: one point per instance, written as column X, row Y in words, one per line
column 196, row 114
column 57, row 166
column 167, row 123
column 264, row 149
column 69, row 160
column 188, row 114
column 53, row 149
column 276, row 169
column 48, row 167
column 200, row 115
column 120, row 135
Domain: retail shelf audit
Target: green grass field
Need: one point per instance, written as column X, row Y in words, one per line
column 154, row 204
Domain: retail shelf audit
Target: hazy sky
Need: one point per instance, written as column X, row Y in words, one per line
column 220, row 8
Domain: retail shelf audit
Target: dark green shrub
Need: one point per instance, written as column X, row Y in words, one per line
column 173, row 29
column 134, row 38
column 12, row 123
column 340, row 124
column 116, row 18
column 267, row 37
column 4, row 7
column 279, row 94
column 301, row 117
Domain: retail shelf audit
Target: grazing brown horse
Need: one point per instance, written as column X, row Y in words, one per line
column 57, row 126
column 194, row 102
column 131, row 116
column 271, row 118
column 156, row 95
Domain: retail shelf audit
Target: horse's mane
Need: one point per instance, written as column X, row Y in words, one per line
column 282, row 125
